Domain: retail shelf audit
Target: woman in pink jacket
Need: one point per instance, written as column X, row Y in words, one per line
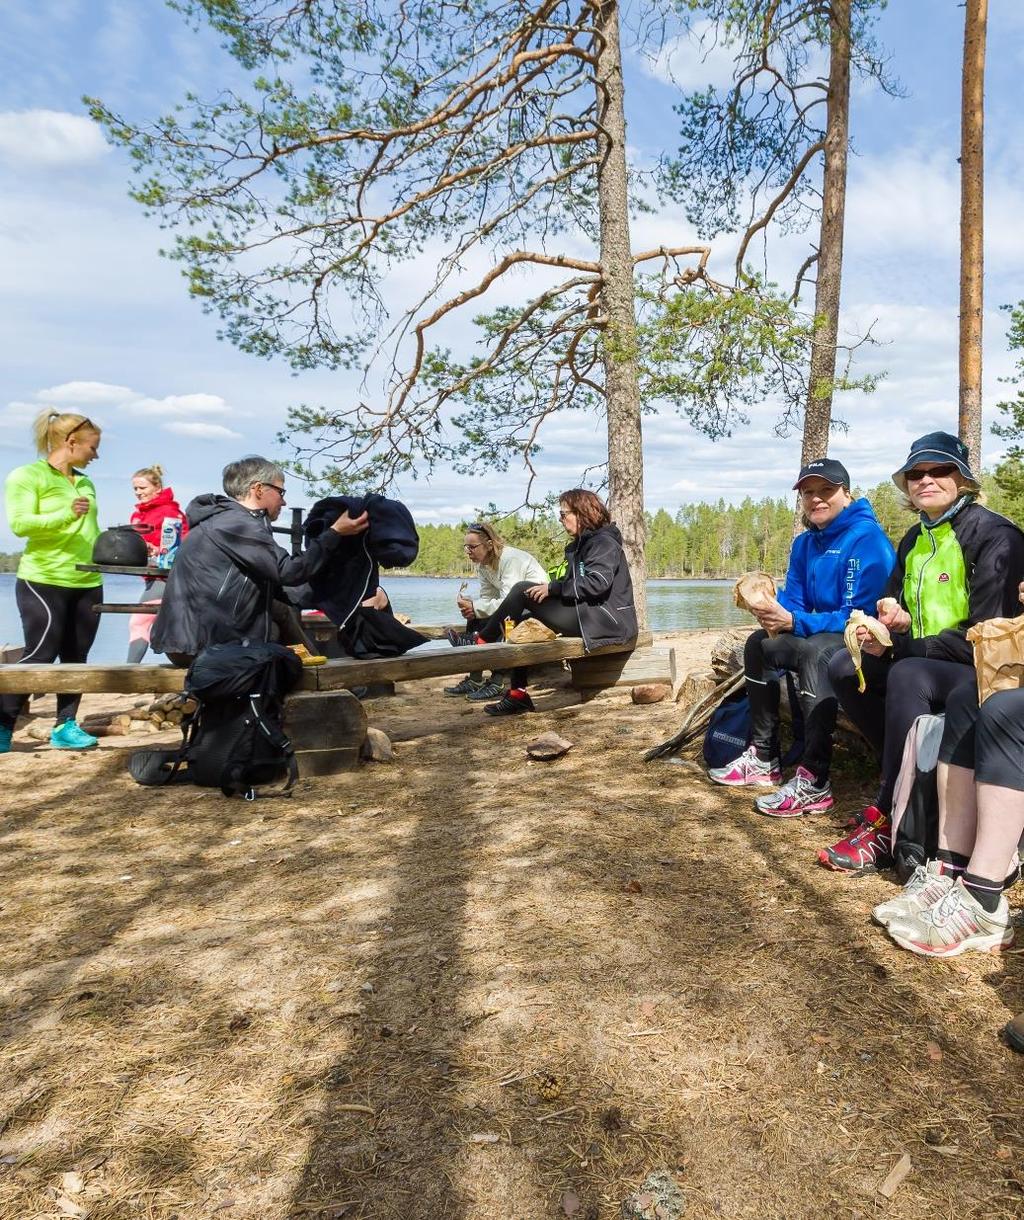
column 154, row 505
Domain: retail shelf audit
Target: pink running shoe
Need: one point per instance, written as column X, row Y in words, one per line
column 866, row 850
column 802, row 794
column 748, row 771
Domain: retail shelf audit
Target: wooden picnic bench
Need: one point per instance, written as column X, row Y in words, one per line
column 326, row 722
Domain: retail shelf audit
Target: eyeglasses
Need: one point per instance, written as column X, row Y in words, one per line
column 274, row 487
column 935, row 472
column 472, row 546
column 565, row 512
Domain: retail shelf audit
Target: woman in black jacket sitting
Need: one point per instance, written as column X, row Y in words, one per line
column 594, row 600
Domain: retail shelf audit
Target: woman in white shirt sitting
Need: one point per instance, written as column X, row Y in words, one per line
column 499, row 567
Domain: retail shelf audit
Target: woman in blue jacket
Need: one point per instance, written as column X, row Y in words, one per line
column 839, row 564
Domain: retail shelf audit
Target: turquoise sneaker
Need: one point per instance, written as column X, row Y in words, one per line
column 69, row 736
column 5, row 739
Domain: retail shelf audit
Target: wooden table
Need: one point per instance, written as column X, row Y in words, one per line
column 121, row 569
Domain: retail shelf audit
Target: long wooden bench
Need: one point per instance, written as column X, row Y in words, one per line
column 326, row 722
column 334, row 675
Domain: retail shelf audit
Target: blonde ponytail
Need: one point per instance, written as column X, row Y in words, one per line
column 52, row 428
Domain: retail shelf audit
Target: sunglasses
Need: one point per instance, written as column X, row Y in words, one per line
column 936, row 472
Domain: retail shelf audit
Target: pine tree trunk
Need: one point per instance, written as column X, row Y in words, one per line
column 818, row 413
column 972, row 225
column 625, row 443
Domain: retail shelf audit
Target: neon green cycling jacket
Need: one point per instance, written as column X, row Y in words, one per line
column 953, row 575
column 39, row 500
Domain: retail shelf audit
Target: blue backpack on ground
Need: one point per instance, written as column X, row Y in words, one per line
column 729, row 730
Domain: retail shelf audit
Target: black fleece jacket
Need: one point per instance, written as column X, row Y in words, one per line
column 227, row 572
column 597, row 582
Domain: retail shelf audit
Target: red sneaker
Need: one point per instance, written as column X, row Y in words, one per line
column 866, row 850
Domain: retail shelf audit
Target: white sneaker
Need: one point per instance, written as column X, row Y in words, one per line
column 927, row 884
column 747, row 771
column 953, row 924
column 802, row 794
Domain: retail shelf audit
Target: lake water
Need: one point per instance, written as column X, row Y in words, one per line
column 673, row 605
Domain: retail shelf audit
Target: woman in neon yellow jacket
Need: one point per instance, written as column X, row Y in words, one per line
column 52, row 505
column 960, row 564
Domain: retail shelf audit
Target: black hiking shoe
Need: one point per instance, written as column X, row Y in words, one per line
column 467, row 687
column 460, row 639
column 489, row 690
column 512, row 703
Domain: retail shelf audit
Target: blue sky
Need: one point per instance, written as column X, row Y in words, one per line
column 92, row 318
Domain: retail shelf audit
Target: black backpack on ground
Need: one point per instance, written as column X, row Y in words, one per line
column 235, row 739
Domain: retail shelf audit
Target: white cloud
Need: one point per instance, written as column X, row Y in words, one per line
column 203, row 432
column 180, row 404
column 49, row 138
column 87, row 394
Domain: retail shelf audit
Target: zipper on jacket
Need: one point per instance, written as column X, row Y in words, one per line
column 366, row 585
column 920, row 582
column 579, row 617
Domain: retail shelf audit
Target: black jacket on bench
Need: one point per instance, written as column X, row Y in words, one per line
column 598, row 583
column 226, row 575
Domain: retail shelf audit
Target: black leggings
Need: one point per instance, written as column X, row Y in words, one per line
column 988, row 740
column 59, row 624
column 897, row 693
column 763, row 657
column 560, row 616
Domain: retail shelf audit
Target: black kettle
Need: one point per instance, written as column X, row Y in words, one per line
column 122, row 546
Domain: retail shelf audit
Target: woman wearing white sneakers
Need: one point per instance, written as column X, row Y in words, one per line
column 956, row 901
column 839, row 564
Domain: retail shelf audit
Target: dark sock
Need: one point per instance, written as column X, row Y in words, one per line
column 984, row 889
column 766, row 753
column 953, row 863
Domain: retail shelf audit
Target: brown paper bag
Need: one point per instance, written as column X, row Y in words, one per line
column 754, row 590
column 998, row 654
column 530, row 631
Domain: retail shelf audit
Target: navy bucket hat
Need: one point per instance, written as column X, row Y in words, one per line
column 936, row 447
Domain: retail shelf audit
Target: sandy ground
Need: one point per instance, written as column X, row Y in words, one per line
column 465, row 986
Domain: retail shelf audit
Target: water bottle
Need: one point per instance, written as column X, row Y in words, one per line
column 170, row 540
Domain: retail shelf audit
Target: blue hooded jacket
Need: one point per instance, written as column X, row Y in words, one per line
column 834, row 570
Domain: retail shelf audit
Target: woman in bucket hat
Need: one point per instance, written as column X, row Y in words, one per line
column 839, row 564
column 958, row 565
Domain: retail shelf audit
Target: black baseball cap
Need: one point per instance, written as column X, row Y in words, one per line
column 824, row 468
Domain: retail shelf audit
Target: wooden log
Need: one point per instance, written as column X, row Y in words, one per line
column 638, row 668
column 443, row 662
column 327, row 730
column 335, row 675
column 89, row 679
column 697, row 685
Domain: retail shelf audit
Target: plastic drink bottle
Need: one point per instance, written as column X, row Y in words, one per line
column 170, row 540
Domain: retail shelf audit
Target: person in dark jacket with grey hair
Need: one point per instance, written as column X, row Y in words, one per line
column 223, row 583
column 594, row 600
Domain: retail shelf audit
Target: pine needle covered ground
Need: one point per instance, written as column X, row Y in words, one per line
column 469, row 987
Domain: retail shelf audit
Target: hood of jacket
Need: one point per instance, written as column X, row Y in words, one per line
column 163, row 499
column 210, row 504
column 608, row 531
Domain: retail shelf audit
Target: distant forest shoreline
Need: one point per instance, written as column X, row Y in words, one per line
column 699, row 542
